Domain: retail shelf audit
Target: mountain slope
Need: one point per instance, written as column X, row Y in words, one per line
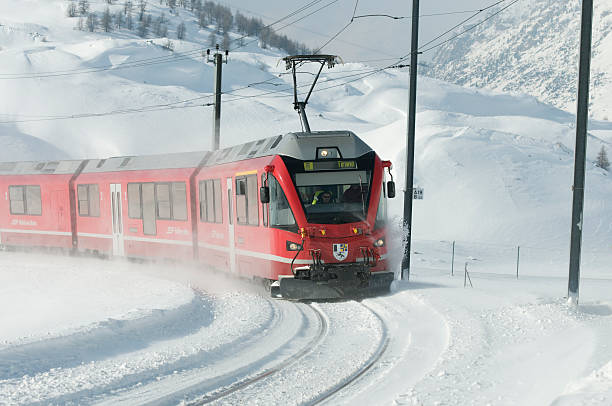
column 532, row 48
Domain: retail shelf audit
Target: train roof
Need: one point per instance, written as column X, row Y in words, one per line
column 39, row 167
column 298, row 145
column 174, row 160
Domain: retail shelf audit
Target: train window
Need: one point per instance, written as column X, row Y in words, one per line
column 247, row 206
column 203, row 201
column 179, row 201
column 218, row 208
column 281, row 215
column 252, row 200
column 241, row 201
column 25, row 200
column 381, row 212
column 149, row 226
column 33, row 202
column 162, row 199
column 17, row 199
column 264, row 207
column 89, row 200
column 134, row 201
column 94, row 200
column 210, row 201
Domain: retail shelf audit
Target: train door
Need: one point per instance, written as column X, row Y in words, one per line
column 57, row 197
column 230, row 225
column 117, row 216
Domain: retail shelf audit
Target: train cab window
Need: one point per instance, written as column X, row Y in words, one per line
column 25, row 200
column 280, row 216
column 247, row 203
column 210, row 201
column 265, row 207
column 89, row 200
column 381, row 212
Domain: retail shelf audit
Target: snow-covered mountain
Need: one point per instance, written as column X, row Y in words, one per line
column 532, row 48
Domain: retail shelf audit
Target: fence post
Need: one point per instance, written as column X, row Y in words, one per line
column 518, row 256
column 466, row 277
column 453, row 261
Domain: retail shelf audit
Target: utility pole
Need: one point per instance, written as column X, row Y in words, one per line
column 218, row 61
column 582, row 120
column 408, row 192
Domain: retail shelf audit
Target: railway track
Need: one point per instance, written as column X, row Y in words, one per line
column 308, row 360
column 310, row 347
column 374, row 359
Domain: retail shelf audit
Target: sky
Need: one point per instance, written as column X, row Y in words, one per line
column 359, row 42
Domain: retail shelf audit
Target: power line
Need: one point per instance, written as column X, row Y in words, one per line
column 171, row 106
column 468, row 29
column 291, row 23
column 339, row 32
column 319, row 33
column 175, row 57
column 427, row 15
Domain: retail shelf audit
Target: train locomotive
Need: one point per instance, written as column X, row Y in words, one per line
column 305, row 211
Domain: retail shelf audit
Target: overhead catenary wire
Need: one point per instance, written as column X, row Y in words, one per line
column 339, row 32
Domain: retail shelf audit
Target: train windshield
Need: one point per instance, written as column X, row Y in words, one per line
column 334, row 197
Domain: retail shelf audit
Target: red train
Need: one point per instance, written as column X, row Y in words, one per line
column 306, row 211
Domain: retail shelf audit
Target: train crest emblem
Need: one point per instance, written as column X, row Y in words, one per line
column 340, row 251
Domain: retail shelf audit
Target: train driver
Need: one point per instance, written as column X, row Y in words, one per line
column 322, row 196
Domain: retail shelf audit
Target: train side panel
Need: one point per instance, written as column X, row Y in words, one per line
column 35, row 211
column 164, row 231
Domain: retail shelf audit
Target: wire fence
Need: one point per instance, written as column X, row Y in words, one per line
column 512, row 261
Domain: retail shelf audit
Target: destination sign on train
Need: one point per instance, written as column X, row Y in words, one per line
column 329, row 165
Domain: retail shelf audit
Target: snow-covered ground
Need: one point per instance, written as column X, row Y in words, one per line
column 90, row 331
column 496, row 172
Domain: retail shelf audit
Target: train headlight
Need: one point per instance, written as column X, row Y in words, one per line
column 379, row 243
column 293, row 246
column 328, row 153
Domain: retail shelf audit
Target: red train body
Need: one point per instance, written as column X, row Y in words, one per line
column 304, row 210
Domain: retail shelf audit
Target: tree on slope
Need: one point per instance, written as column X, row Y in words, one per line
column 83, row 7
column 602, row 159
column 92, row 22
column 180, row 31
column 119, row 18
column 107, row 21
column 71, row 11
